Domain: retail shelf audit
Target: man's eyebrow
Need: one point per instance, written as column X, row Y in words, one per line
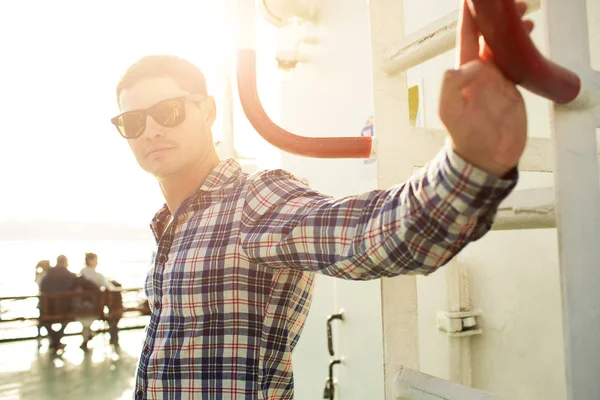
column 174, row 96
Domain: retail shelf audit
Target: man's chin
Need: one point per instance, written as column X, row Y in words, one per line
column 163, row 170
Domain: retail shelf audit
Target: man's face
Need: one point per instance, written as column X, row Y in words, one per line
column 169, row 151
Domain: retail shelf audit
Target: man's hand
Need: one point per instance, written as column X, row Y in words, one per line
column 483, row 111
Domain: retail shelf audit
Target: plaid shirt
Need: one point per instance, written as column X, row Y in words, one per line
column 233, row 275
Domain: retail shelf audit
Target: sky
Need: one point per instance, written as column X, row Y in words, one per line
column 60, row 158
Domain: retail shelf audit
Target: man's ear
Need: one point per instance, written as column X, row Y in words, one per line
column 211, row 110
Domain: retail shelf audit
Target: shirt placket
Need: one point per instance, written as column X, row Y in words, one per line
column 162, row 256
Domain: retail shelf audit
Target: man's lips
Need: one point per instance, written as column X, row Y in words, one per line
column 158, row 150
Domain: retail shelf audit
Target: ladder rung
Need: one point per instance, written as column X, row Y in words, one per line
column 426, row 142
column 527, row 209
column 428, row 42
column 414, row 385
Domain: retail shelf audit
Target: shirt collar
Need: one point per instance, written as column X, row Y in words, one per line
column 226, row 171
column 222, row 174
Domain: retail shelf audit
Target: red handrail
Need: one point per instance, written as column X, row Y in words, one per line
column 328, row 147
column 516, row 55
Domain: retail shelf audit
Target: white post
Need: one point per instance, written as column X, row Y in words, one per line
column 245, row 11
column 394, row 165
column 459, row 300
column 577, row 198
column 227, row 147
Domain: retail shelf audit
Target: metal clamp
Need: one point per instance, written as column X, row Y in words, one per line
column 459, row 323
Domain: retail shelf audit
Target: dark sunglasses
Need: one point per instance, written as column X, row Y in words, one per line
column 168, row 113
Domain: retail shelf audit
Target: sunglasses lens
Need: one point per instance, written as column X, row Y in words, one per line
column 168, row 113
column 131, row 124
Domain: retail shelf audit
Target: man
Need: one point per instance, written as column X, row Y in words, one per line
column 233, row 275
column 112, row 298
column 59, row 279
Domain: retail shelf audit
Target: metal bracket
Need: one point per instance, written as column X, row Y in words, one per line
column 331, row 318
column 459, row 323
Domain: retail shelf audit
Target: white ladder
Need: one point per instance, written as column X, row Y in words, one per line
column 575, row 210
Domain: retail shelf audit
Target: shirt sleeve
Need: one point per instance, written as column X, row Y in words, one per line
column 411, row 228
column 105, row 282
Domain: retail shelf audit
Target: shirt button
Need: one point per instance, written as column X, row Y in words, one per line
column 145, row 350
column 157, row 304
column 162, row 259
column 140, row 393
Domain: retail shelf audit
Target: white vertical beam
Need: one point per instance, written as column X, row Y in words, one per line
column 577, row 198
column 226, row 147
column 394, row 165
column 459, row 300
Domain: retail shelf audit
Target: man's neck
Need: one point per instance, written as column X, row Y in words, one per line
column 176, row 189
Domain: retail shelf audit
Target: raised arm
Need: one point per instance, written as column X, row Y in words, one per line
column 415, row 227
column 419, row 225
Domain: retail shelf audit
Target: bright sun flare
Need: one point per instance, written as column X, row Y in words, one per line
column 60, row 157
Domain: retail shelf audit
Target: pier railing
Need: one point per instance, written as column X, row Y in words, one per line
column 70, row 306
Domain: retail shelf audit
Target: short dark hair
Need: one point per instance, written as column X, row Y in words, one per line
column 188, row 76
column 61, row 259
column 89, row 257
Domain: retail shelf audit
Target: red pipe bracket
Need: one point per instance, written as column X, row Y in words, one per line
column 516, row 55
column 329, row 147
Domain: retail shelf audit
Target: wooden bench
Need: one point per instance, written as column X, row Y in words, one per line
column 61, row 307
column 64, row 307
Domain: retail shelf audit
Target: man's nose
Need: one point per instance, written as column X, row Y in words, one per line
column 153, row 129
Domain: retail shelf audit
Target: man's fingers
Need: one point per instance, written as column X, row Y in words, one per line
column 460, row 78
column 454, row 82
column 470, row 45
column 468, row 36
column 528, row 25
column 521, row 8
column 486, row 53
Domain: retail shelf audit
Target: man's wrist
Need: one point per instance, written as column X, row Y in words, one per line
column 488, row 166
column 467, row 188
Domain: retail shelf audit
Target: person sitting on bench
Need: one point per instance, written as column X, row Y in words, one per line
column 59, row 279
column 113, row 300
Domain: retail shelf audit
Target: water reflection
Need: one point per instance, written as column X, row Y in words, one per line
column 103, row 372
